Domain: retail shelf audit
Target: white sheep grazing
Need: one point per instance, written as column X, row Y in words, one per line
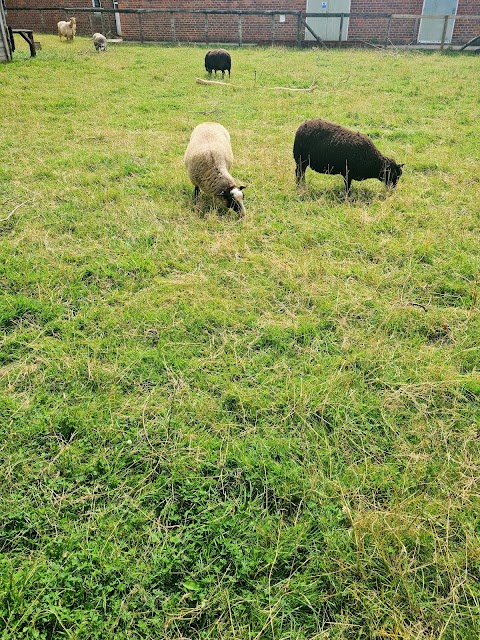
column 208, row 159
column 100, row 42
column 67, row 29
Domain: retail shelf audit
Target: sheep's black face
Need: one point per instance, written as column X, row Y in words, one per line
column 233, row 199
column 392, row 174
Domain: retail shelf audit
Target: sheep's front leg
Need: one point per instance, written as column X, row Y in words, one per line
column 300, row 173
column 196, row 191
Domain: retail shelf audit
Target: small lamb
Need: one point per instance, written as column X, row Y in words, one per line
column 99, row 42
column 218, row 60
column 326, row 147
column 67, row 29
column 208, row 159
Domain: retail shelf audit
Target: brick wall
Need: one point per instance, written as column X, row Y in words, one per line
column 375, row 30
column 405, row 31
column 191, row 27
column 255, row 29
column 466, row 29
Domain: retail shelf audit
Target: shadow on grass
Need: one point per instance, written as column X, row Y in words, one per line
column 206, row 205
column 336, row 194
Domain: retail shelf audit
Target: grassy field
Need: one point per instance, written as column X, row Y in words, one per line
column 212, row 427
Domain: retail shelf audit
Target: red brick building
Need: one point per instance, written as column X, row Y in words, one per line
column 281, row 28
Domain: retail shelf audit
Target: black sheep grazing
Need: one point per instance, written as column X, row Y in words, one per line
column 329, row 148
column 218, row 60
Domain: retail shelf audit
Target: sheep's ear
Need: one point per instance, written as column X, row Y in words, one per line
column 402, row 165
column 242, row 187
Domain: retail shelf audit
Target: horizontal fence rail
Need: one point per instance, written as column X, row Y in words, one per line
column 297, row 30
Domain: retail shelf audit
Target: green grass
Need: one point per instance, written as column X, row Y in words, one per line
column 243, row 429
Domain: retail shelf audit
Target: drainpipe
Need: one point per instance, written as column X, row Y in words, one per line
column 118, row 24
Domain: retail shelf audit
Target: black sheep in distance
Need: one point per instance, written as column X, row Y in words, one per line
column 218, row 60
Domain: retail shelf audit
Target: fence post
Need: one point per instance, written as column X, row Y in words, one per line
column 444, row 32
column 273, row 29
column 206, row 27
column 415, row 29
column 387, row 37
column 172, row 26
column 91, row 22
column 299, row 29
column 341, row 29
column 140, row 26
column 239, row 29
column 42, row 20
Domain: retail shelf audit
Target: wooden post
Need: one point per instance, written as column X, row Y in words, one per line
column 206, row 27
column 472, row 41
column 299, row 29
column 273, row 29
column 444, row 32
column 42, row 20
column 239, row 29
column 341, row 29
column 387, row 37
column 415, row 29
column 172, row 26
column 26, row 34
column 317, row 38
column 91, row 23
column 140, row 26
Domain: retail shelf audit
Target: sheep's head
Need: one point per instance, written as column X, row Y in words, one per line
column 73, row 23
column 391, row 173
column 233, row 199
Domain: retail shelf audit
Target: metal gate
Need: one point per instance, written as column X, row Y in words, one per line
column 327, row 28
column 431, row 29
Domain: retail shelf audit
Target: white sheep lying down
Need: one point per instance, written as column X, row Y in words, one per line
column 67, row 29
column 100, row 42
column 208, row 160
